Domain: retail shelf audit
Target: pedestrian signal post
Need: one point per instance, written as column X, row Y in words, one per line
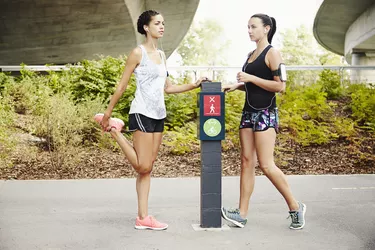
column 211, row 130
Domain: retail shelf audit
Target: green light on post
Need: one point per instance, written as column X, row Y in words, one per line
column 212, row 127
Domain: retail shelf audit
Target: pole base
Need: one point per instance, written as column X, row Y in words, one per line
column 197, row 227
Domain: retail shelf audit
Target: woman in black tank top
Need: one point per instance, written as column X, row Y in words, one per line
column 259, row 122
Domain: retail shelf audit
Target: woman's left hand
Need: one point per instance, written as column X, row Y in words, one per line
column 244, row 77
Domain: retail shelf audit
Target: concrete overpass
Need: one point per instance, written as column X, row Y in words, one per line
column 67, row 31
column 347, row 28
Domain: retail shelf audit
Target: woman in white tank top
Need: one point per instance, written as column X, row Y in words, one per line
column 147, row 111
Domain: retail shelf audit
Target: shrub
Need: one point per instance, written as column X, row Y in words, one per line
column 63, row 104
column 66, row 127
column 363, row 104
column 5, row 80
column 331, row 84
column 27, row 93
column 306, row 114
column 6, row 124
column 234, row 102
column 97, row 80
column 181, row 109
column 182, row 140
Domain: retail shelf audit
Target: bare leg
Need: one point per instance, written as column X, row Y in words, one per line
column 127, row 148
column 248, row 162
column 144, row 177
column 157, row 142
column 141, row 158
column 265, row 144
column 143, row 145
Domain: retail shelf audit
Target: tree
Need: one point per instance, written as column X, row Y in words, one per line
column 300, row 48
column 204, row 45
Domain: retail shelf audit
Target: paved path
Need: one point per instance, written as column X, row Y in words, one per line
column 99, row 214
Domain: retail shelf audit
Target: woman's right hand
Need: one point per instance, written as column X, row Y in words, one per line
column 200, row 80
column 229, row 87
column 105, row 122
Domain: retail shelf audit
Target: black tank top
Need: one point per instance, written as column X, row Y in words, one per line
column 258, row 98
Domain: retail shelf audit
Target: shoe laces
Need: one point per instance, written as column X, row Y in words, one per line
column 294, row 216
column 233, row 211
column 153, row 220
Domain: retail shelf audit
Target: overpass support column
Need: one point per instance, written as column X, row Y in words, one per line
column 362, row 59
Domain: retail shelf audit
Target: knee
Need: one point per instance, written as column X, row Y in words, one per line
column 144, row 168
column 266, row 167
column 248, row 161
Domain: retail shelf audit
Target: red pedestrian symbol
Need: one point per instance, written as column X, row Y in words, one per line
column 211, row 105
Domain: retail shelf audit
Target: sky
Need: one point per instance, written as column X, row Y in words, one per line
column 233, row 15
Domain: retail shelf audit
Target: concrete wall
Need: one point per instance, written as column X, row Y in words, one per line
column 135, row 10
column 361, row 59
column 67, row 31
column 360, row 37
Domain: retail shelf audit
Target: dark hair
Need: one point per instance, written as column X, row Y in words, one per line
column 145, row 19
column 267, row 20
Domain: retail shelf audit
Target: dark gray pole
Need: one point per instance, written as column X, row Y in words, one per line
column 211, row 157
column 211, row 184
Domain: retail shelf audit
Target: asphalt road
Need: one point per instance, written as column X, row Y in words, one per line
column 100, row 214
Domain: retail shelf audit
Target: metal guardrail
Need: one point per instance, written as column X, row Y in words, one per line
column 347, row 73
column 308, row 73
column 7, row 68
column 34, row 68
column 290, row 67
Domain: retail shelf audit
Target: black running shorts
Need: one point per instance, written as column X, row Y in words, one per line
column 145, row 124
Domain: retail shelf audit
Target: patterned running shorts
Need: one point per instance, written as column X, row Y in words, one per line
column 260, row 120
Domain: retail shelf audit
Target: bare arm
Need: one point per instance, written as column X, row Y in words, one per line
column 233, row 86
column 171, row 88
column 131, row 63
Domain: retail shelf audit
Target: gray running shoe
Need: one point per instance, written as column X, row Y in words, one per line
column 298, row 217
column 233, row 215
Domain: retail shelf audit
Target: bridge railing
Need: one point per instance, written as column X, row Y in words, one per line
column 303, row 73
column 310, row 73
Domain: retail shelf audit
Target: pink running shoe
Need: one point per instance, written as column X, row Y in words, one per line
column 149, row 222
column 115, row 123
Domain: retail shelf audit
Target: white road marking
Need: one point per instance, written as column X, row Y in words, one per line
column 353, row 188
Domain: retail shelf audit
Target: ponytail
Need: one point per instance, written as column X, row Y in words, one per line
column 272, row 30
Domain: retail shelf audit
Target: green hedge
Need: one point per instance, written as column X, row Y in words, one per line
column 70, row 98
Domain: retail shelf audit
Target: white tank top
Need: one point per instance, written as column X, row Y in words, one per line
column 149, row 94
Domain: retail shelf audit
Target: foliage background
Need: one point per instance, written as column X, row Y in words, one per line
column 57, row 108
